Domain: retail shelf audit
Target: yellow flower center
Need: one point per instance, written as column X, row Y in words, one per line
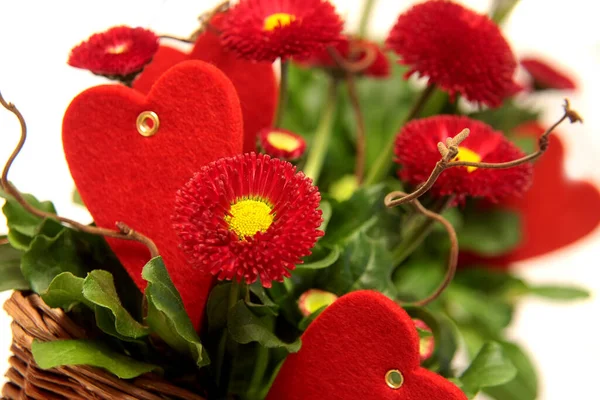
column 249, row 217
column 118, row 48
column 278, row 20
column 468, row 155
column 283, row 141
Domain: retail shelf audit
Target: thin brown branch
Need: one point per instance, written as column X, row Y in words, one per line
column 354, row 66
column 361, row 138
column 452, row 257
column 124, row 231
column 205, row 18
column 179, row 39
column 449, row 153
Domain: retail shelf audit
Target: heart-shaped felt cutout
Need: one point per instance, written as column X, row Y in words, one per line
column 348, row 350
column 124, row 176
column 555, row 212
column 255, row 82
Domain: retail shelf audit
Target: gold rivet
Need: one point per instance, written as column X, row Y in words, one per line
column 147, row 123
column 394, row 379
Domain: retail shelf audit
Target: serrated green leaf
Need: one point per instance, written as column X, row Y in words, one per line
column 166, row 314
column 245, row 327
column 558, row 292
column 10, row 269
column 19, row 219
column 99, row 289
column 86, row 352
column 491, row 367
column 65, row 291
column 48, row 257
column 490, row 232
column 321, row 258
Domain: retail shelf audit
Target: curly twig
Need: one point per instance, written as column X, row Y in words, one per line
column 205, row 18
column 354, row 66
column 450, row 150
column 124, row 231
column 452, row 258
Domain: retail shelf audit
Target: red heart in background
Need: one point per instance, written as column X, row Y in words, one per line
column 123, row 176
column 255, row 82
column 555, row 212
column 348, row 350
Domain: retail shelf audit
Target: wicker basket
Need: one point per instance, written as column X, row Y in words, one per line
column 33, row 319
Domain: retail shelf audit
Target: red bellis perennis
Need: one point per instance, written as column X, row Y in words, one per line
column 546, row 76
column 120, row 51
column 353, row 50
column 282, row 143
column 416, row 151
column 264, row 30
column 457, row 49
column 247, row 217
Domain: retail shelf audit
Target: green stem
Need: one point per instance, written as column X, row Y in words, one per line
column 260, row 366
column 366, row 17
column 224, row 361
column 320, row 144
column 384, row 162
column 283, row 93
column 417, row 234
column 501, row 9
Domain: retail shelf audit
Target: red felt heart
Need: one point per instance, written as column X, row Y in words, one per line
column 555, row 212
column 348, row 350
column 255, row 82
column 124, row 176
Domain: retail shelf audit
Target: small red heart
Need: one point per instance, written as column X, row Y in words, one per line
column 555, row 212
column 255, row 82
column 124, row 176
column 348, row 350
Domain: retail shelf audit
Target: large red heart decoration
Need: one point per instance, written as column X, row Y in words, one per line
column 255, row 82
column 124, row 176
column 555, row 212
column 350, row 348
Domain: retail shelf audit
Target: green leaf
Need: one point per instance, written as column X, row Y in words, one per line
column 10, row 269
column 321, row 258
column 507, row 117
column 525, row 384
column 217, row 306
column 86, row 352
column 19, row 219
column 490, row 232
column 326, row 209
column 556, row 292
column 364, row 264
column 77, row 198
column 48, row 257
column 99, row 289
column 245, row 327
column 306, row 321
column 166, row 314
column 491, row 367
column 65, row 291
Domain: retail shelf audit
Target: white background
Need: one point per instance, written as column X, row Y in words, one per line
column 35, row 39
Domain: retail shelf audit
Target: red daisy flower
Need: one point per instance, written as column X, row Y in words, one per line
column 546, row 76
column 426, row 344
column 417, row 152
column 120, row 51
column 282, row 143
column 314, row 299
column 263, row 30
column 352, row 50
column 248, row 216
column 457, row 49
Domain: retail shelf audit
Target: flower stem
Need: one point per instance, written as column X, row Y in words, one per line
column 361, row 139
column 283, row 93
column 417, row 235
column 384, row 162
column 320, row 144
column 260, row 366
column 225, row 353
column 366, row 17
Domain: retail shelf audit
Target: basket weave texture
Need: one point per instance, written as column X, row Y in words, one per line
column 33, row 319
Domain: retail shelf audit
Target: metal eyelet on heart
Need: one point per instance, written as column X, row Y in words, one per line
column 147, row 123
column 394, row 379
